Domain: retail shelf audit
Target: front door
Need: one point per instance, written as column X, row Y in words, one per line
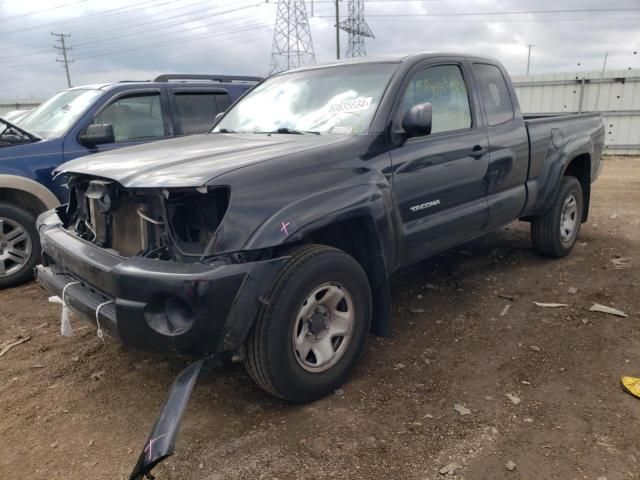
column 136, row 118
column 439, row 179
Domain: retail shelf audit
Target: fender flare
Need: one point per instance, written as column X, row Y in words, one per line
column 574, row 148
column 23, row 184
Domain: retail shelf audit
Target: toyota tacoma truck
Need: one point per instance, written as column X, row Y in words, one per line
column 271, row 238
column 86, row 120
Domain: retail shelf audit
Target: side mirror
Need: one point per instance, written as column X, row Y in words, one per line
column 98, row 133
column 417, row 120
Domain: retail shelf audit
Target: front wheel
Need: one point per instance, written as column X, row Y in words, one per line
column 554, row 233
column 19, row 245
column 309, row 336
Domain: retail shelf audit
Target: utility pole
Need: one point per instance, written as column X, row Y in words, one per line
column 357, row 28
column 62, row 46
column 337, row 30
column 292, row 44
column 529, row 57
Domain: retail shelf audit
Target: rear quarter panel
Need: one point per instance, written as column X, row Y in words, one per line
column 553, row 143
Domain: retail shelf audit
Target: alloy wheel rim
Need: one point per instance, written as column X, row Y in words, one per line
column 15, row 247
column 323, row 327
column 569, row 219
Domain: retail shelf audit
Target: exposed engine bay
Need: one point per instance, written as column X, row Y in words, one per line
column 156, row 223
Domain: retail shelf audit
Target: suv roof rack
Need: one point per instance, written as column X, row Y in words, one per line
column 214, row 78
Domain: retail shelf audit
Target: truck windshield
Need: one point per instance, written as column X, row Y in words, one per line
column 54, row 117
column 340, row 99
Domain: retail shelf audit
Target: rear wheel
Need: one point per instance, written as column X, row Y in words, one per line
column 554, row 233
column 19, row 245
column 308, row 338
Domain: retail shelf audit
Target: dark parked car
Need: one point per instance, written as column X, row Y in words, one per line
column 272, row 238
column 85, row 120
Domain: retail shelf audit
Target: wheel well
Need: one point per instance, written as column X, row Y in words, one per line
column 357, row 236
column 22, row 199
column 580, row 168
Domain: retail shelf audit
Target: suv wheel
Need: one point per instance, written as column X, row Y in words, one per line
column 308, row 338
column 554, row 233
column 19, row 245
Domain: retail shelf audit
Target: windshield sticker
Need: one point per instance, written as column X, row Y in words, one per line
column 495, row 93
column 346, row 130
column 356, row 105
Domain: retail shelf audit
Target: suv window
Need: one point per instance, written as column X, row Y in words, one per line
column 443, row 87
column 134, row 117
column 494, row 93
column 196, row 111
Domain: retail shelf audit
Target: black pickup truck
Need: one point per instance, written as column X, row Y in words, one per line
column 272, row 238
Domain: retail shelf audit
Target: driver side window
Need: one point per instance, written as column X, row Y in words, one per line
column 135, row 117
column 443, row 87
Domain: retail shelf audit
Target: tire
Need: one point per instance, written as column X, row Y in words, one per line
column 19, row 245
column 550, row 233
column 275, row 348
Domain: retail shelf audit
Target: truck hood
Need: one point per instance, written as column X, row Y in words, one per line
column 192, row 161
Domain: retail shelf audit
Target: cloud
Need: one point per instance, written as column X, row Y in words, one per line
column 145, row 38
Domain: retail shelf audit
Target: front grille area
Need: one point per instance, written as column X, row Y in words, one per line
column 177, row 224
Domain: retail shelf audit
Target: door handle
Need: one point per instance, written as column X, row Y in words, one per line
column 478, row 151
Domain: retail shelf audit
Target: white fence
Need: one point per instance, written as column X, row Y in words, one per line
column 19, row 104
column 616, row 94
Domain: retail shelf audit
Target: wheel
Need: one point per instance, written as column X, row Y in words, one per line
column 554, row 233
column 309, row 335
column 19, row 245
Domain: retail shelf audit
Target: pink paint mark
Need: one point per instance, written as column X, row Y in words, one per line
column 151, row 442
column 284, row 228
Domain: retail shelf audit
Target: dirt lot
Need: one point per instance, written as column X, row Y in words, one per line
column 75, row 408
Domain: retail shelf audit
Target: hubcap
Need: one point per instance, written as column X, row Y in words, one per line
column 569, row 219
column 323, row 327
column 15, row 247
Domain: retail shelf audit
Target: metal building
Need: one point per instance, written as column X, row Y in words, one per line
column 616, row 94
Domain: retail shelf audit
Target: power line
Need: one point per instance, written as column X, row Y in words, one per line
column 36, row 12
column 62, row 47
column 521, row 12
column 292, row 44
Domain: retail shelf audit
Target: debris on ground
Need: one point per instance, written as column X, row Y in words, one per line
column 97, row 375
column 510, row 466
column 339, row 392
column 572, row 290
column 505, row 310
column 514, row 398
column 461, row 409
column 632, row 385
column 535, row 348
column 585, row 321
column 9, row 344
column 511, row 298
column 551, row 305
column 418, row 310
column 449, row 469
column 622, row 262
column 596, row 307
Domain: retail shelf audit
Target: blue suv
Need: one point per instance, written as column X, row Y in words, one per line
column 85, row 120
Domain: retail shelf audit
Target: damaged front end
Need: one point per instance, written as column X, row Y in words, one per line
column 177, row 225
column 141, row 263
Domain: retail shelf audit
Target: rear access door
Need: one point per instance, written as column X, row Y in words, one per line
column 508, row 145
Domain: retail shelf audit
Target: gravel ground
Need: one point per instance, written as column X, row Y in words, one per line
column 464, row 380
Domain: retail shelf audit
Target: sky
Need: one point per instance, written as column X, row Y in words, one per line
column 139, row 39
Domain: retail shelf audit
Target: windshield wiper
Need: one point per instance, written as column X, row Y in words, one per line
column 292, row 131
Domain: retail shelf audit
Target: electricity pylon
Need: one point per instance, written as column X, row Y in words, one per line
column 356, row 26
column 292, row 44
